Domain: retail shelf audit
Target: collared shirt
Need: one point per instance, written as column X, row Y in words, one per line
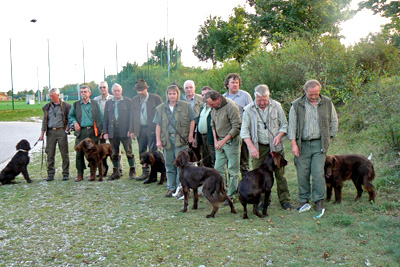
column 102, row 102
column 241, row 98
column 203, row 128
column 116, row 106
column 87, row 117
column 143, row 111
column 54, row 117
column 311, row 122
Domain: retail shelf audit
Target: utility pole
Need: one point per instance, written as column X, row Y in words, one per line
column 12, row 81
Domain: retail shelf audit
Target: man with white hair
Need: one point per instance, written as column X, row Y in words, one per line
column 116, row 128
column 263, row 126
column 195, row 100
column 55, row 125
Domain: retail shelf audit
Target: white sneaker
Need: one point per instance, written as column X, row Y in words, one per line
column 304, row 208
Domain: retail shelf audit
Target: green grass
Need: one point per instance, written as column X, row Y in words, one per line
column 126, row 223
column 22, row 111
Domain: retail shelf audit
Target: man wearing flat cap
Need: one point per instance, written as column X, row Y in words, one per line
column 141, row 123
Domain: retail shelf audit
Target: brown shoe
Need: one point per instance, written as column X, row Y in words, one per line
column 319, row 205
column 79, row 178
column 169, row 193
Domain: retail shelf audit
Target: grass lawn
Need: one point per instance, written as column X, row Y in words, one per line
column 126, row 223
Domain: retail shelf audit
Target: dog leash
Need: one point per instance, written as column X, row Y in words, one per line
column 41, row 166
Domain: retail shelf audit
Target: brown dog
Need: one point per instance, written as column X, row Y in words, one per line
column 259, row 181
column 340, row 168
column 96, row 155
column 191, row 177
column 156, row 160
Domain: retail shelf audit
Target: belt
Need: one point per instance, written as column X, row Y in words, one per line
column 56, row 129
column 88, row 127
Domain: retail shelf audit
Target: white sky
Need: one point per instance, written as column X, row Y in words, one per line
column 99, row 25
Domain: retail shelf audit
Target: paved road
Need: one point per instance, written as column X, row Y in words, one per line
column 11, row 133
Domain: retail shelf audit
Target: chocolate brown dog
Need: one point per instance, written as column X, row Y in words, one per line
column 259, row 181
column 96, row 155
column 357, row 168
column 191, row 177
column 156, row 160
column 18, row 163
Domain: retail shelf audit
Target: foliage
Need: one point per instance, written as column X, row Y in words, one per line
column 377, row 107
column 387, row 9
column 220, row 40
column 159, row 55
column 281, row 20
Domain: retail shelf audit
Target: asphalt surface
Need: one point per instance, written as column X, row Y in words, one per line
column 11, row 133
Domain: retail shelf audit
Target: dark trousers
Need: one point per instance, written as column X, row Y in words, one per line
column 207, row 152
column 54, row 137
column 146, row 139
column 86, row 132
column 127, row 144
column 244, row 159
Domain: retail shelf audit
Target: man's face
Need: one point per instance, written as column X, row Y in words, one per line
column 85, row 93
column 55, row 98
column 142, row 93
column 189, row 90
column 172, row 96
column 203, row 94
column 233, row 86
column 262, row 101
column 313, row 94
column 117, row 92
column 215, row 103
column 103, row 89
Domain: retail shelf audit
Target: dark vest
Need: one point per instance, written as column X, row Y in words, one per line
column 95, row 113
column 324, row 114
column 65, row 108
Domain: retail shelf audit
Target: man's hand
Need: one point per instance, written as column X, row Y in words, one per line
column 254, row 152
column 41, row 136
column 219, row 144
column 159, row 144
column 295, row 149
column 105, row 136
column 194, row 144
column 132, row 135
column 77, row 126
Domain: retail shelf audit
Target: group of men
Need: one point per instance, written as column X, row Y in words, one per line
column 224, row 131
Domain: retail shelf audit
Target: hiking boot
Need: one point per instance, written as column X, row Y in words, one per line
column 145, row 174
column 286, row 205
column 65, row 178
column 79, row 178
column 50, row 178
column 169, row 193
column 116, row 174
column 132, row 173
column 319, row 205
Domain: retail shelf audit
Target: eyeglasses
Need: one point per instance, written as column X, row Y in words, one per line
column 102, row 87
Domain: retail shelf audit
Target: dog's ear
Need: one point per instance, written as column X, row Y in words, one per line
column 79, row 146
column 279, row 160
column 269, row 162
column 181, row 159
column 152, row 159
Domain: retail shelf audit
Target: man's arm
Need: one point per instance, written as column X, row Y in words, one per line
column 158, row 136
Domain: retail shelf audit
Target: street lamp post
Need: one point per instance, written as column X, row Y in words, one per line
column 12, row 82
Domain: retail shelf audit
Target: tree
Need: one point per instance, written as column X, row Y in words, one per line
column 387, row 9
column 159, row 55
column 281, row 20
column 220, row 40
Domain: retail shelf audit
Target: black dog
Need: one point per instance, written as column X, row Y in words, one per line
column 156, row 160
column 191, row 177
column 19, row 163
column 259, row 181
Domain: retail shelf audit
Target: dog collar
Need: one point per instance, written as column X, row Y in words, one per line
column 26, row 151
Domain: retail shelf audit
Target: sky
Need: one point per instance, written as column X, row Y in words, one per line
column 109, row 34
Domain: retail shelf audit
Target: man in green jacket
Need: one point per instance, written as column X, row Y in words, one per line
column 313, row 122
column 86, row 117
column 174, row 121
column 225, row 121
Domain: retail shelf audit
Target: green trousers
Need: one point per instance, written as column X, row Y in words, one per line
column 281, row 183
column 229, row 155
column 53, row 138
column 309, row 164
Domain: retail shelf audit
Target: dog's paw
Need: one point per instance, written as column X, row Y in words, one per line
column 183, row 210
column 210, row 216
